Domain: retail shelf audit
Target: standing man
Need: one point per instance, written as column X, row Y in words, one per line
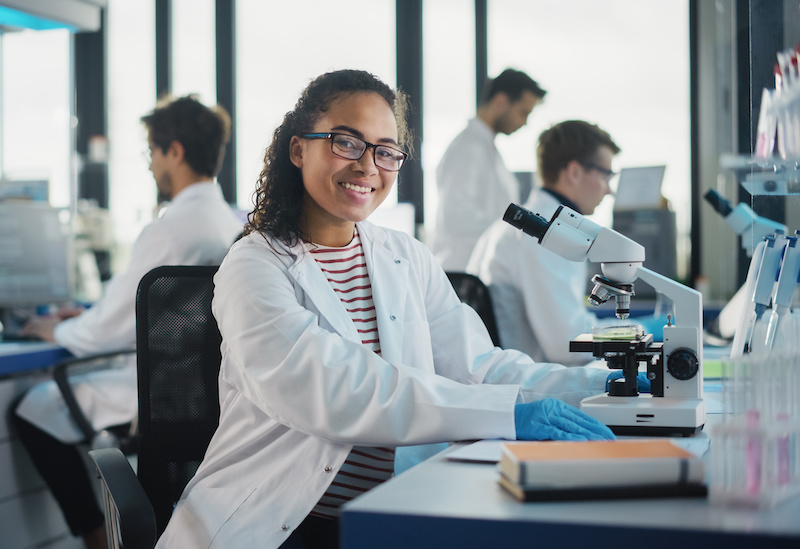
column 539, row 298
column 475, row 188
column 186, row 148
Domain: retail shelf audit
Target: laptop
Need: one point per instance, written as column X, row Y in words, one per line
column 639, row 188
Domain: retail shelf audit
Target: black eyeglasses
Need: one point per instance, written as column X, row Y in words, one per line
column 607, row 174
column 353, row 148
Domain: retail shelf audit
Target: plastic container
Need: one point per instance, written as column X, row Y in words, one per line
column 756, row 450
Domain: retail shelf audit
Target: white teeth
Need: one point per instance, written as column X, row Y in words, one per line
column 356, row 188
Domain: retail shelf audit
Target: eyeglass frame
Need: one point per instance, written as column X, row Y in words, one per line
column 367, row 145
column 608, row 174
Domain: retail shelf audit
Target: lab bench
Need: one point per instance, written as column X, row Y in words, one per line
column 442, row 503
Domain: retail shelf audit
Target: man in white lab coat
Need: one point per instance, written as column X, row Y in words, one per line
column 474, row 185
column 538, row 296
column 186, row 148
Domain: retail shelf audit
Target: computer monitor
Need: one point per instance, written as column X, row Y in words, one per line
column 35, row 261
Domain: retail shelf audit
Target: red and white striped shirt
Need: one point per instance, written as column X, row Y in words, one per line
column 365, row 467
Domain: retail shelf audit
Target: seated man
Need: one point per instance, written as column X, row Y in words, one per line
column 539, row 297
column 187, row 144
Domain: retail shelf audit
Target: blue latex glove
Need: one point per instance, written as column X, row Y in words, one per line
column 551, row 419
column 641, row 380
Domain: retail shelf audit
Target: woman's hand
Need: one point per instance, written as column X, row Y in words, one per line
column 551, row 419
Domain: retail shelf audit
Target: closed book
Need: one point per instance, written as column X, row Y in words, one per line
column 540, row 493
column 616, row 466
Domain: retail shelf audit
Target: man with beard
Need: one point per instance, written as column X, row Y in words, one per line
column 475, row 188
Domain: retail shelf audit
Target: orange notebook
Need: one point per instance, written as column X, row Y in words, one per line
column 614, row 468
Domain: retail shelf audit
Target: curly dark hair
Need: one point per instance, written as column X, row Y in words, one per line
column 279, row 189
column 203, row 131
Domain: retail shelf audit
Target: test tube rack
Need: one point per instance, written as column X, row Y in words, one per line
column 756, row 450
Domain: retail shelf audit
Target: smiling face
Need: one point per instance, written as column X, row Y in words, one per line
column 340, row 192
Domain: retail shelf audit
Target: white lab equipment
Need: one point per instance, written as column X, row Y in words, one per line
column 758, row 288
column 788, row 280
column 752, row 229
column 750, row 226
column 674, row 367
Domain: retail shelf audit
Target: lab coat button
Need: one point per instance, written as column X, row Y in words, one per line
column 392, row 317
column 328, row 468
column 284, row 527
column 397, row 261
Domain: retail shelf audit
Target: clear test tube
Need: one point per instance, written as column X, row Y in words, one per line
column 755, row 449
column 793, row 406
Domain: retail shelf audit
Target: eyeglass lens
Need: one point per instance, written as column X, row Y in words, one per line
column 605, row 172
column 353, row 148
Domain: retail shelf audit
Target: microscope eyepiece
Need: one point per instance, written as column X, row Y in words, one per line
column 525, row 220
column 718, row 202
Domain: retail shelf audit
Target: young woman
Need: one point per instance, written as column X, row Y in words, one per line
column 343, row 340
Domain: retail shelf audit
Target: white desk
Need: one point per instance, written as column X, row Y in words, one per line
column 442, row 503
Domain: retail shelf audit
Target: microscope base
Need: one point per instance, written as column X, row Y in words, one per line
column 647, row 415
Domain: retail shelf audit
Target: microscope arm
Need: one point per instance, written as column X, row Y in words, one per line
column 688, row 301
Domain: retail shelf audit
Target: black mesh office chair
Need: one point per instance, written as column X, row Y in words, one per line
column 178, row 354
column 121, row 436
column 472, row 291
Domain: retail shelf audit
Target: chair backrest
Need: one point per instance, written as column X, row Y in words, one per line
column 472, row 291
column 178, row 353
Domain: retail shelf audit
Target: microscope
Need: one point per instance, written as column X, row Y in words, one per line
column 750, row 226
column 674, row 367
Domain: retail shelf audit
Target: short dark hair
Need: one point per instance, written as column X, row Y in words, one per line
column 567, row 141
column 279, row 189
column 202, row 131
column 513, row 83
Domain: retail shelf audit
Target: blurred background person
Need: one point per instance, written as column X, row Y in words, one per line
column 186, row 143
column 474, row 185
column 539, row 298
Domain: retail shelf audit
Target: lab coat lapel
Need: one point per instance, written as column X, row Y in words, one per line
column 388, row 274
column 319, row 291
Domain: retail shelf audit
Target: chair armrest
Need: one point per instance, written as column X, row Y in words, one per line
column 129, row 513
column 60, row 375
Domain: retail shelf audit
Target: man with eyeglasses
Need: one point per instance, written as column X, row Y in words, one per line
column 474, row 185
column 186, row 142
column 538, row 296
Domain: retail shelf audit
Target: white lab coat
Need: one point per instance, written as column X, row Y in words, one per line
column 538, row 297
column 197, row 228
column 475, row 188
column 298, row 389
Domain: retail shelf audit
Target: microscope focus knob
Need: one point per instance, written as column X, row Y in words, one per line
column 683, row 364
